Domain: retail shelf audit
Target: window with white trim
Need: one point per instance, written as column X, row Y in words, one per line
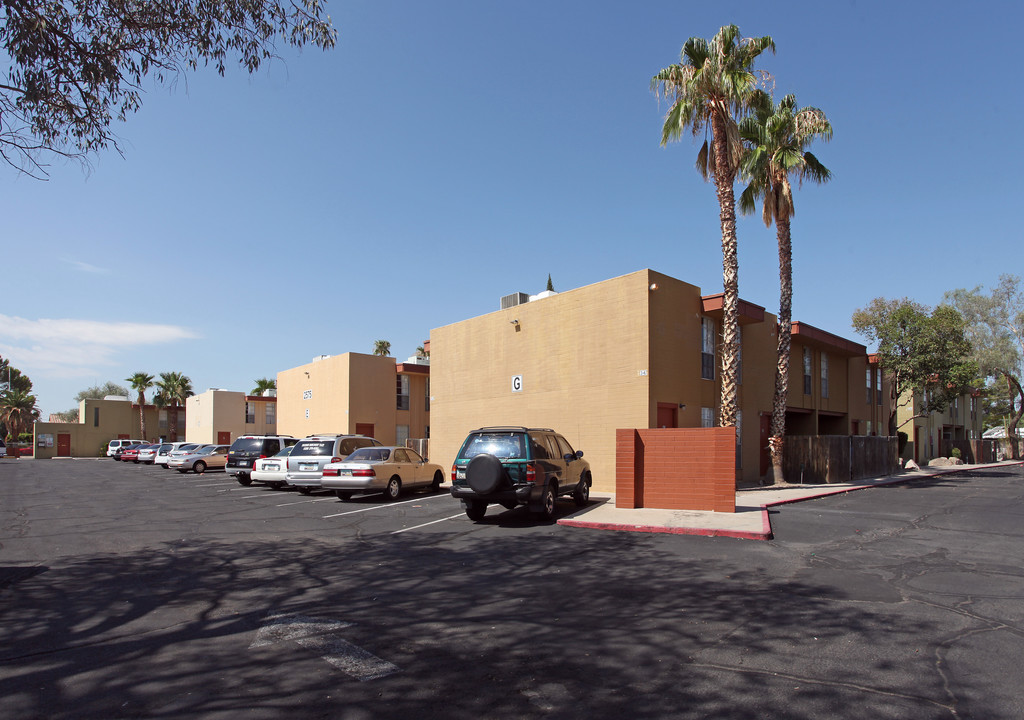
column 808, row 371
column 707, row 417
column 824, row 375
column 707, row 348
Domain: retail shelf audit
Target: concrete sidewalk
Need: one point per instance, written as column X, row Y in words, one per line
column 751, row 519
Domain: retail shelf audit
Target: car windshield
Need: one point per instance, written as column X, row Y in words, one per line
column 313, row 447
column 286, row 452
column 501, row 445
column 248, row 445
column 369, row 454
column 206, row 450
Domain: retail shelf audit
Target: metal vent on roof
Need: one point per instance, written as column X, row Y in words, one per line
column 514, row 299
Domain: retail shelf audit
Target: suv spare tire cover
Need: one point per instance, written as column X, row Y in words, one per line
column 484, row 473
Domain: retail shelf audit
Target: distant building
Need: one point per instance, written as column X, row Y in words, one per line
column 929, row 436
column 356, row 394
column 220, row 416
column 99, row 422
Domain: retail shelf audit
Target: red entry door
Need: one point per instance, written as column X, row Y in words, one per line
column 223, row 438
column 364, row 429
column 766, row 453
column 667, row 415
column 64, row 444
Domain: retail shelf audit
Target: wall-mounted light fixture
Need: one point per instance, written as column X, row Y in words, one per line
column 654, row 286
column 515, row 323
column 307, row 372
column 682, row 406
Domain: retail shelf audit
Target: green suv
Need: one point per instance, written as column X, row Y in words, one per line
column 513, row 466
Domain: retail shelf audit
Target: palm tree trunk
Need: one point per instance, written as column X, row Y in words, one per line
column 778, row 429
column 142, row 416
column 724, row 176
column 173, row 430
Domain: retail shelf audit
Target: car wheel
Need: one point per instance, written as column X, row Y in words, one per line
column 343, row 495
column 547, row 503
column 277, row 485
column 182, row 470
column 244, row 480
column 394, row 489
column 475, row 510
column 305, row 490
column 581, row 496
column 484, row 473
column 438, row 479
column 199, row 467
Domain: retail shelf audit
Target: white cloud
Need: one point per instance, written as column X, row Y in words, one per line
column 86, row 267
column 76, row 348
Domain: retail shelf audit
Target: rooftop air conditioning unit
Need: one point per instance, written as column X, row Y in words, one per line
column 318, row 358
column 270, row 393
column 514, row 299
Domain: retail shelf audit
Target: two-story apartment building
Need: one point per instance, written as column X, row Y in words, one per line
column 639, row 351
column 929, row 434
column 220, row 416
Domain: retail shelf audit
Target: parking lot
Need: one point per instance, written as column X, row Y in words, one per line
column 130, row 591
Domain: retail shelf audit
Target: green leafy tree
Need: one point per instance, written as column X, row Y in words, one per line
column 550, row 287
column 11, row 378
column 995, row 325
column 776, row 137
column 262, row 385
column 101, row 391
column 75, row 65
column 711, row 87
column 382, row 348
column 141, row 382
column 17, row 412
column 66, row 416
column 173, row 388
column 924, row 353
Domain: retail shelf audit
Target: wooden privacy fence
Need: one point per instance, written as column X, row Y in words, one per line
column 981, row 450
column 838, row 458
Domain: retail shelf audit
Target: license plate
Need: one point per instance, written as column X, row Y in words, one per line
column 345, row 473
column 460, row 474
column 308, row 466
column 271, row 466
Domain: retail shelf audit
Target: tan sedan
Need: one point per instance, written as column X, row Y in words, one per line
column 200, row 460
column 381, row 469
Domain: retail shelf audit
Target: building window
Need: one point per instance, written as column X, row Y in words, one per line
column 878, row 386
column 271, row 413
column 869, row 427
column 162, row 419
column 739, row 438
column 401, row 434
column 974, row 408
column 426, row 395
column 707, row 349
column 95, row 417
column 402, row 390
column 250, row 413
column 707, row 417
column 824, row 375
column 870, row 385
column 807, row 371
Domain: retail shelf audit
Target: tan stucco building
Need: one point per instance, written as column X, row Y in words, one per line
column 357, row 394
column 99, row 422
column 962, row 420
column 220, row 416
column 637, row 351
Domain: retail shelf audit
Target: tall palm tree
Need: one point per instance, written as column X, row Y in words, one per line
column 262, row 385
column 17, row 411
column 381, row 347
column 710, row 88
column 141, row 382
column 776, row 136
column 174, row 389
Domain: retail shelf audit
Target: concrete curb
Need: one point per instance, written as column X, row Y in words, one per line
column 765, row 533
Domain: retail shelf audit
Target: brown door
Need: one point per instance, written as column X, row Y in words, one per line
column 364, row 429
column 667, row 415
column 223, row 438
column 64, row 444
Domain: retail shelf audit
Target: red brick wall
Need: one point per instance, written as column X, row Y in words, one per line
column 676, row 468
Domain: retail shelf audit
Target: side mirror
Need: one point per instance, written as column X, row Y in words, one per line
column 579, row 454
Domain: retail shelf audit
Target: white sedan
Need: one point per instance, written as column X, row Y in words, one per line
column 376, row 469
column 273, row 470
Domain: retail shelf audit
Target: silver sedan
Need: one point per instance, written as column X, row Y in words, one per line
column 381, row 469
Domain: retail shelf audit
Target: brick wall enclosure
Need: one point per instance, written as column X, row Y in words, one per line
column 676, row 468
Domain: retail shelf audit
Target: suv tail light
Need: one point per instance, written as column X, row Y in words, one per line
column 453, row 473
column 531, row 473
column 336, row 459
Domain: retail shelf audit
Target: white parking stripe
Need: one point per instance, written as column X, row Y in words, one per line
column 432, row 522
column 303, row 502
column 385, row 505
column 215, row 485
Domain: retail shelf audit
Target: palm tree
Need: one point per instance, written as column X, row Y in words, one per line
column 141, row 382
column 262, row 385
column 422, row 352
column 17, row 411
column 710, row 88
column 776, row 136
column 175, row 388
column 382, row 348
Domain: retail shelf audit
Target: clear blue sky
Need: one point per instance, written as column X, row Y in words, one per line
column 450, row 152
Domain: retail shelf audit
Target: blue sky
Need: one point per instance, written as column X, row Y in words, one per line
column 447, row 153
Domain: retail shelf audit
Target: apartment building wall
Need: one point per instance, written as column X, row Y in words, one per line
column 962, row 420
column 220, row 416
column 351, row 393
column 583, row 359
column 99, row 421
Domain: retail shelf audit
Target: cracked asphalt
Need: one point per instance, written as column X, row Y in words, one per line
column 130, row 592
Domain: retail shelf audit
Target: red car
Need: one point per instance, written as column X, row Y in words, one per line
column 131, row 453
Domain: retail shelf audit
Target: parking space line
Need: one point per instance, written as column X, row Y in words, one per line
column 432, row 522
column 215, row 485
column 302, row 502
column 384, row 505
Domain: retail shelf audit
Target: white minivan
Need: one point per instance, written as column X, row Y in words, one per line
column 114, row 445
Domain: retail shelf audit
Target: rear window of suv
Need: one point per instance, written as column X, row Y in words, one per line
column 314, row 447
column 505, row 446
